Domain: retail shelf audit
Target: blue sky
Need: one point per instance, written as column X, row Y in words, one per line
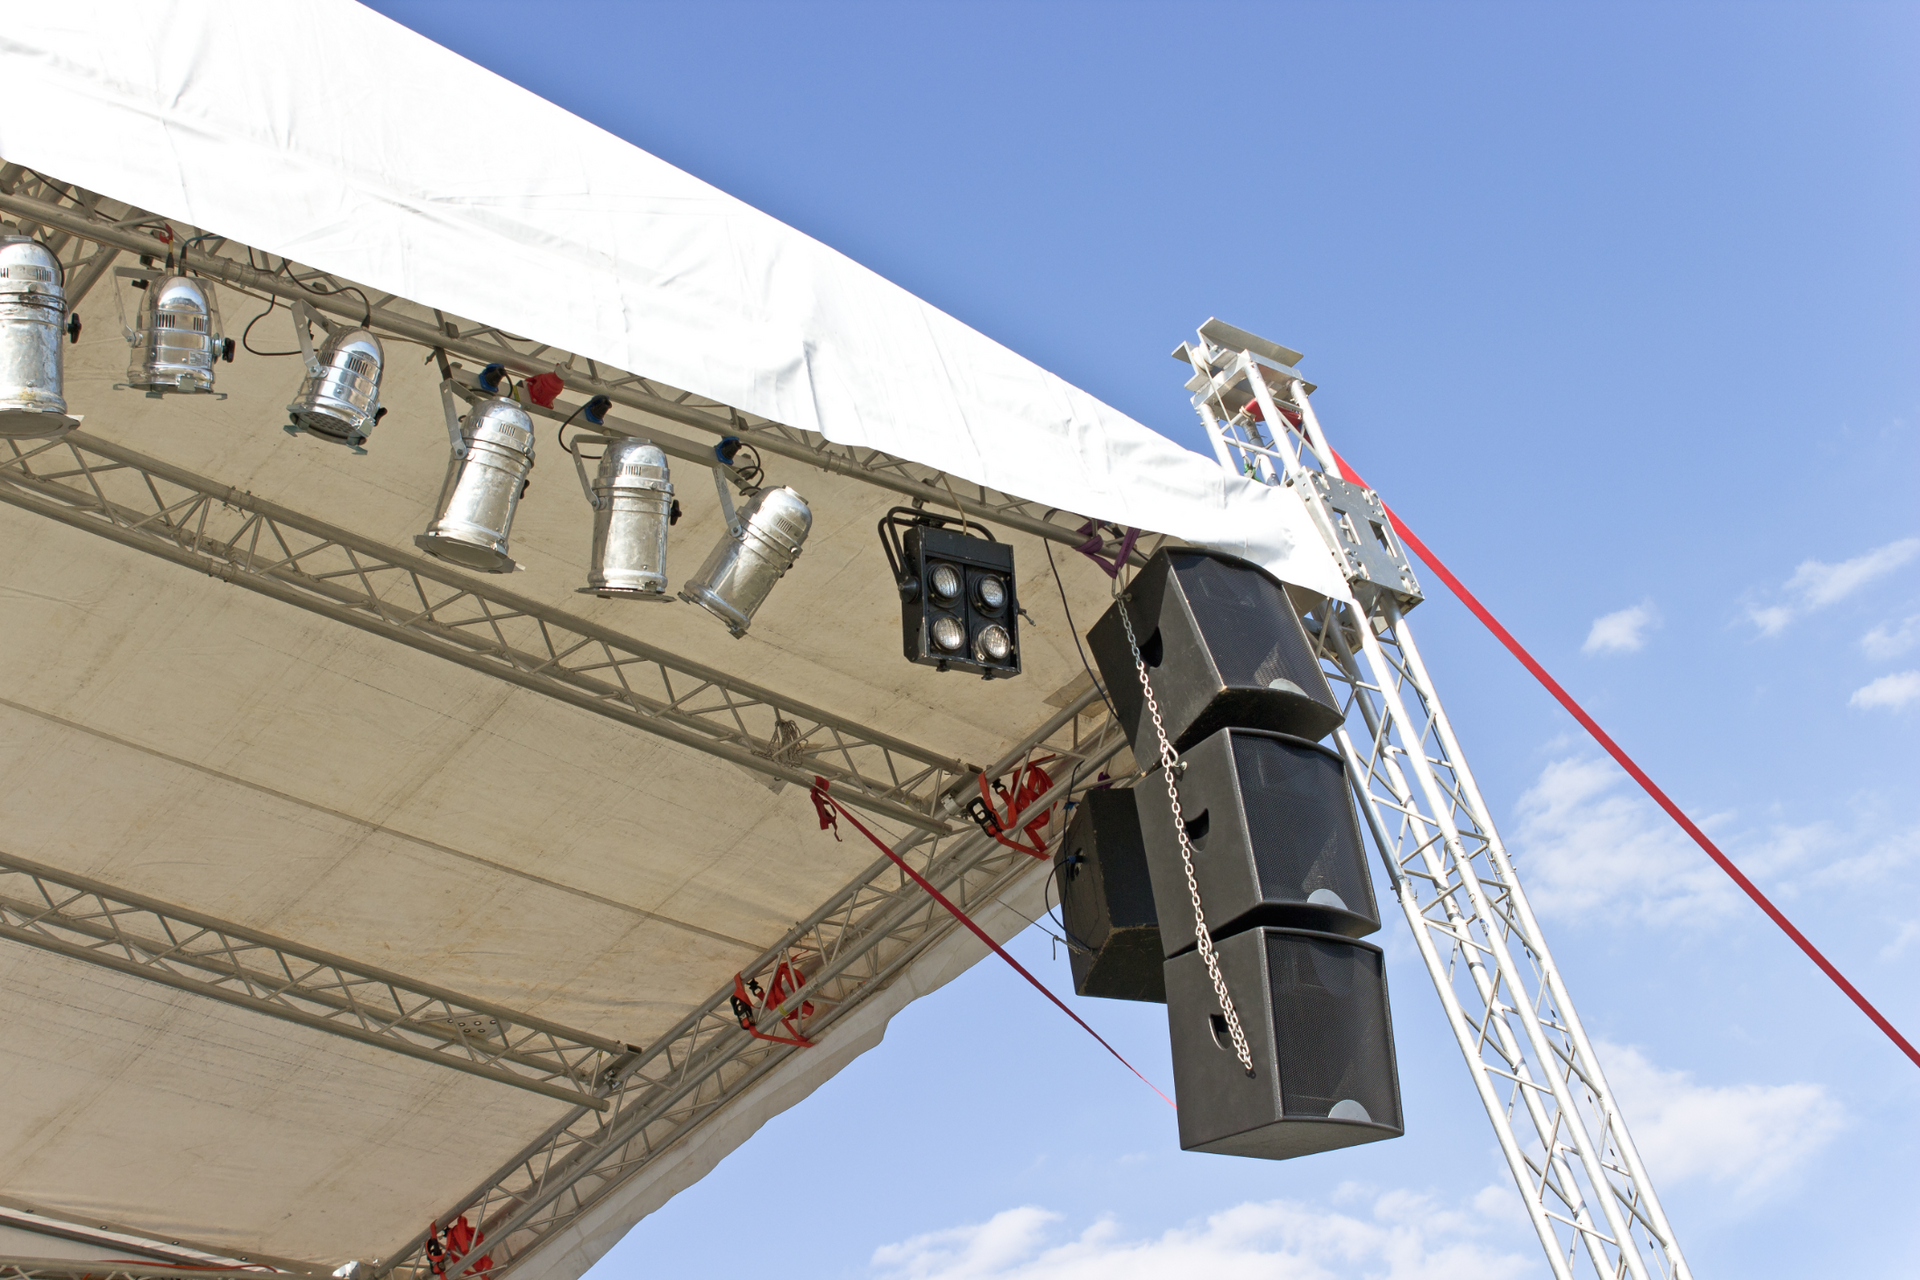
column 1617, row 306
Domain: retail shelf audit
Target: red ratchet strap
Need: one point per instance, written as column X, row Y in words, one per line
column 776, row 992
column 1030, row 782
column 1639, row 775
column 831, row 812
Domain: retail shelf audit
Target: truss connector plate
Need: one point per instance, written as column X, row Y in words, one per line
column 1363, row 539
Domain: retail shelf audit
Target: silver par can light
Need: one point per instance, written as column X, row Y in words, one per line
column 485, row 477
column 33, row 311
column 760, row 546
column 339, row 399
column 632, row 497
column 178, row 339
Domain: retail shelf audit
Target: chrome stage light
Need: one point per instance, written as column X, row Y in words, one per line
column 492, row 454
column 339, row 399
column 178, row 339
column 761, row 544
column 957, row 606
column 33, row 309
column 632, row 498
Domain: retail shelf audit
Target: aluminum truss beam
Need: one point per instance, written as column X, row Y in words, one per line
column 130, row 933
column 86, row 217
column 228, row 534
column 1586, row 1191
column 850, row 948
column 188, row 1254
column 82, row 1269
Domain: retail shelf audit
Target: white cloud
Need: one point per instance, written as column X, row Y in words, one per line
column 1623, row 631
column 1895, row 691
column 1890, row 641
column 1816, row 583
column 1908, row 935
column 1586, row 841
column 1749, row 1138
column 1405, row 1236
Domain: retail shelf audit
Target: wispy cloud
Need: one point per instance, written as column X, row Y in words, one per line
column 1890, row 640
column 1586, row 840
column 1894, row 691
column 1816, row 583
column 1749, row 1138
column 1623, row 631
column 1404, row 1236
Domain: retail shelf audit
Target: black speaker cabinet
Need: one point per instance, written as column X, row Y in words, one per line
column 1222, row 645
column 1275, row 840
column 1314, row 1010
column 1106, row 901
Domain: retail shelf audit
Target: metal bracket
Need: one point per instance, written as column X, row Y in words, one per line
column 1370, row 554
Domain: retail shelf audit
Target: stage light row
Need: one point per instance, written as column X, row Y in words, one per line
column 958, row 610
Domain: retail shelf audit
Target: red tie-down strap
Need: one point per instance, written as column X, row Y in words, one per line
column 786, row 980
column 1030, row 782
column 831, row 812
column 461, row 1239
column 1634, row 771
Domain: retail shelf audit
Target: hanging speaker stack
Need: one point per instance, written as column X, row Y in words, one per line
column 1268, row 814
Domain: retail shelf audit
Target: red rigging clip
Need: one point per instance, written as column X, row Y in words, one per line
column 1030, row 782
column 786, row 980
column 823, row 807
column 461, row 1238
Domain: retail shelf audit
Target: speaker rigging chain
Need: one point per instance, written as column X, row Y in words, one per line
column 1170, row 769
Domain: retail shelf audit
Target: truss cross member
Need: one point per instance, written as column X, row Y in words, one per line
column 172, row 513
column 130, row 933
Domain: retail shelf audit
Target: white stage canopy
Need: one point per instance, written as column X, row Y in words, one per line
column 193, row 109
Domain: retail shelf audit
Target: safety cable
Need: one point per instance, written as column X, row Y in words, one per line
column 831, row 811
column 1638, row 774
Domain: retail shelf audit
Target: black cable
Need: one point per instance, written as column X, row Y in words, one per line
column 560, row 432
column 1047, row 546
column 251, row 349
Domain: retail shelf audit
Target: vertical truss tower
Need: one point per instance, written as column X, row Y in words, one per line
column 1586, row 1191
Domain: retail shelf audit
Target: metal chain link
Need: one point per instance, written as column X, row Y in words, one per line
column 1168, row 767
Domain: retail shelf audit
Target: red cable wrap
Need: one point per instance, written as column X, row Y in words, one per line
column 1639, row 775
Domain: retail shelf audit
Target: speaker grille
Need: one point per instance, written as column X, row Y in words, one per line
column 1242, row 616
column 1329, row 1005
column 1299, row 815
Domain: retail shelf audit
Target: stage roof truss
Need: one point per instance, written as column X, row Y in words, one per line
column 100, row 924
column 848, row 949
column 88, row 227
column 167, row 511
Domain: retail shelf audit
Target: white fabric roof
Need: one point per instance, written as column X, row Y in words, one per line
column 364, row 163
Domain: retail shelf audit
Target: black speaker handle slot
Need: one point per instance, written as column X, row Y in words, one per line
column 1217, row 1023
column 1153, row 649
column 1197, row 827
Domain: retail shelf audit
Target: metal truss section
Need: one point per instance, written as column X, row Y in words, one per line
column 83, row 221
column 1586, row 1191
column 83, row 1269
column 186, row 1254
column 228, row 534
column 181, row 1254
column 129, row 933
column 847, row 950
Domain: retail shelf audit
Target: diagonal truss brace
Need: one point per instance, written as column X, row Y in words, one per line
column 86, row 1269
column 130, row 933
column 80, row 219
column 228, row 534
column 1585, row 1188
column 848, row 949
